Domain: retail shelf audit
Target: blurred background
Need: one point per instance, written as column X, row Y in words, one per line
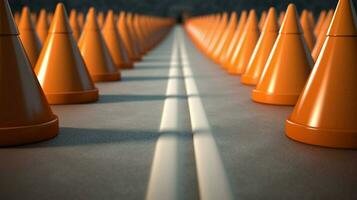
column 175, row 8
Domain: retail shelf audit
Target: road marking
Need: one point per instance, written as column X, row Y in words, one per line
column 165, row 179
column 212, row 178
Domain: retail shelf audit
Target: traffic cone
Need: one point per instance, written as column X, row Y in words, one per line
column 262, row 50
column 80, row 19
column 123, row 31
column 245, row 48
column 217, row 35
column 226, row 38
column 100, row 19
column 34, row 17
column 235, row 40
column 42, row 26
column 307, row 29
column 25, row 115
column 29, row 37
column 17, row 18
column 281, row 17
column 124, row 23
column 50, row 17
column 115, row 44
column 311, row 19
column 325, row 114
column 61, row 69
column 262, row 20
column 73, row 21
column 288, row 66
column 320, row 22
column 322, row 36
column 95, row 52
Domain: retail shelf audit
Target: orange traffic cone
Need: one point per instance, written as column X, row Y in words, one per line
column 262, row 20
column 42, row 26
column 322, row 36
column 61, row 69
column 281, row 18
column 80, row 19
column 73, row 21
column 262, row 50
column 50, row 17
column 319, row 23
column 311, row 19
column 246, row 45
column 307, row 29
column 228, row 53
column 17, row 18
column 100, row 19
column 288, row 66
column 115, row 43
column 95, row 52
column 25, row 115
column 123, row 31
column 325, row 114
column 34, row 17
column 29, row 37
column 226, row 38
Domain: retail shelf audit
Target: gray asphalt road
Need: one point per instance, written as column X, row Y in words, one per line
column 106, row 149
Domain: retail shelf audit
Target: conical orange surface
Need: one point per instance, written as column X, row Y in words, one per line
column 42, row 26
column 29, row 37
column 325, row 114
column 127, row 25
column 246, row 45
column 73, row 21
column 123, row 31
column 262, row 50
column 226, row 38
column 217, row 35
column 95, row 52
column 80, row 18
column 307, row 29
column 115, row 43
column 227, row 55
column 60, row 69
column 34, row 17
column 320, row 22
column 17, row 17
column 25, row 115
column 281, row 17
column 100, row 19
column 50, row 17
column 322, row 36
column 311, row 20
column 262, row 20
column 288, row 66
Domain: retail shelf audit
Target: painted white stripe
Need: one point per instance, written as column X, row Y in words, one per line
column 164, row 177
column 212, row 177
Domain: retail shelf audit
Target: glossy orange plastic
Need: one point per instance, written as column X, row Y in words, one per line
column 124, row 33
column 311, row 20
column 81, row 19
column 73, row 21
column 262, row 50
column 322, row 36
column 42, row 26
column 29, row 37
column 115, row 44
column 288, row 66
column 226, row 38
column 95, row 52
column 17, row 18
column 134, row 38
column 50, row 17
column 25, row 115
column 100, row 19
column 217, row 37
column 235, row 40
column 325, row 114
column 281, row 18
column 262, row 20
column 245, row 47
column 307, row 29
column 319, row 23
column 61, row 69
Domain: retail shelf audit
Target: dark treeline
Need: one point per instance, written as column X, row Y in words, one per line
column 173, row 8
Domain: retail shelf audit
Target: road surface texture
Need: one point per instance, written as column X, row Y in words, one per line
column 176, row 127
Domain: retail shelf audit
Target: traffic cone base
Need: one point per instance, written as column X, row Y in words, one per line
column 73, row 97
column 106, row 77
column 20, row 135
column 274, row 99
column 126, row 66
column 321, row 137
column 247, row 80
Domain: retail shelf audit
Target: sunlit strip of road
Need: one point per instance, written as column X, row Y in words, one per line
column 212, row 178
column 165, row 176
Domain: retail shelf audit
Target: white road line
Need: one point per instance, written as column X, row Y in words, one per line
column 212, row 177
column 165, row 175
